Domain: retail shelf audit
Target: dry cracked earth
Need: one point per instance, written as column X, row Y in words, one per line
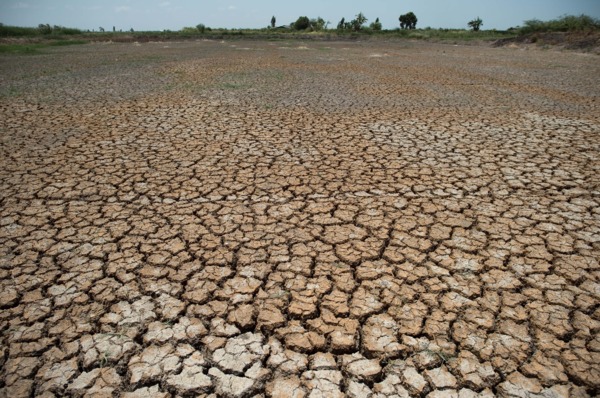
column 288, row 219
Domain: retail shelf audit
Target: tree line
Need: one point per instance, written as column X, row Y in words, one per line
column 566, row 23
column 407, row 21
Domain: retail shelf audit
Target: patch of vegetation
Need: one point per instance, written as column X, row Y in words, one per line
column 567, row 23
column 11, row 92
column 581, row 33
column 59, row 43
column 17, row 31
column 233, row 86
column 304, row 28
column 20, row 48
column 454, row 34
column 355, row 25
column 41, row 30
column 444, row 357
column 377, row 26
column 34, row 48
column 104, row 357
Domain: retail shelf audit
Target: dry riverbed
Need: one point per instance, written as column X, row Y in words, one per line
column 299, row 219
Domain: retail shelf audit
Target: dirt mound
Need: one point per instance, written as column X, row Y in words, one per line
column 586, row 41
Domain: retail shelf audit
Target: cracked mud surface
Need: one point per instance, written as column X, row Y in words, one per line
column 283, row 220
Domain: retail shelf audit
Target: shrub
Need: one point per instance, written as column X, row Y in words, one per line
column 188, row 30
column 376, row 26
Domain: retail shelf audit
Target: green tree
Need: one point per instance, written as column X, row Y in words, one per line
column 273, row 21
column 302, row 23
column 358, row 22
column 475, row 24
column 376, row 25
column 317, row 24
column 342, row 24
column 408, row 20
column 201, row 28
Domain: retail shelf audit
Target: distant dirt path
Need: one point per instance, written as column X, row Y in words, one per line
column 290, row 219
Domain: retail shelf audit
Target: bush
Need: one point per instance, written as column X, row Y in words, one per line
column 376, row 26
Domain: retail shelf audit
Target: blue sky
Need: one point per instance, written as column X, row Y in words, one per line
column 175, row 14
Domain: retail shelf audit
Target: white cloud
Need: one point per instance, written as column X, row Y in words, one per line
column 122, row 8
column 231, row 8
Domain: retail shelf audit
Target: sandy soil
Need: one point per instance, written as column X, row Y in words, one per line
column 289, row 219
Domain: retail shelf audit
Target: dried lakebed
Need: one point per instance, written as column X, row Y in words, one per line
column 286, row 219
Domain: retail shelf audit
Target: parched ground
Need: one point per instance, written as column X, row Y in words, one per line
column 289, row 219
